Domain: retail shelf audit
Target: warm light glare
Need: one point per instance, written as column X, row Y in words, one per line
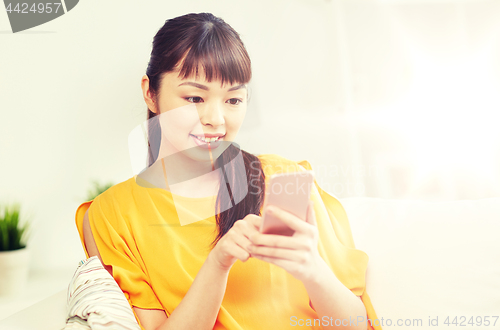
column 450, row 114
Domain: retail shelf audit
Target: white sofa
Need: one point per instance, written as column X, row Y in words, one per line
column 428, row 261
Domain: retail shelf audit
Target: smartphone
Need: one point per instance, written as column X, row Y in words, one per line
column 291, row 192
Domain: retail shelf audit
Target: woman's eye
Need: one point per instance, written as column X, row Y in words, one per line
column 234, row 101
column 194, row 99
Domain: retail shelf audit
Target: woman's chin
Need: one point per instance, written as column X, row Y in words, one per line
column 199, row 155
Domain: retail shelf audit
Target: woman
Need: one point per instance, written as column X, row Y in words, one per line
column 173, row 245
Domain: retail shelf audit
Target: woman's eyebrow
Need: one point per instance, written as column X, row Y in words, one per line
column 236, row 87
column 190, row 83
column 200, row 86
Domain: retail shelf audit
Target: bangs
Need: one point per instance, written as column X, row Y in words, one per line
column 221, row 56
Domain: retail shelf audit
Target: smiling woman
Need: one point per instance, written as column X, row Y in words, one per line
column 182, row 237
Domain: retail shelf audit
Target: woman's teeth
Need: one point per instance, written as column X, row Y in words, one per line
column 206, row 140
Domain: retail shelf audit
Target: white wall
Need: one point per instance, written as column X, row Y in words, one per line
column 70, row 94
column 327, row 79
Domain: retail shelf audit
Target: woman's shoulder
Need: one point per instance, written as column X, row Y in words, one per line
column 118, row 194
column 105, row 208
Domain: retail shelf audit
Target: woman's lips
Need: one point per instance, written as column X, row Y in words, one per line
column 204, row 145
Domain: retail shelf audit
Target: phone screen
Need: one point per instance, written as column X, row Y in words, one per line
column 291, row 192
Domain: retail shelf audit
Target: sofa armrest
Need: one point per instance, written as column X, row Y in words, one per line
column 48, row 314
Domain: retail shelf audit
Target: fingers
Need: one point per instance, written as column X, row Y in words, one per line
column 240, row 234
column 234, row 246
column 278, row 253
column 278, row 241
column 288, row 265
column 249, row 225
column 241, row 253
column 248, row 240
column 255, row 220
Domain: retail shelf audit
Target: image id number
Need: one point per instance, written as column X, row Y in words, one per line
column 462, row 321
column 41, row 7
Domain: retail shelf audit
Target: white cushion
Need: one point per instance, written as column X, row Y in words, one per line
column 95, row 301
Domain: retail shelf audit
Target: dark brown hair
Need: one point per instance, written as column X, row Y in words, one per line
column 206, row 40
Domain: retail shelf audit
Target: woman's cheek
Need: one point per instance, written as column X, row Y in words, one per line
column 238, row 118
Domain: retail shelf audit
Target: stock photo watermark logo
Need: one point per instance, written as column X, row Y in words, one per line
column 24, row 15
column 166, row 154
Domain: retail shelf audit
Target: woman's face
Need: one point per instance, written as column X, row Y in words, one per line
column 193, row 110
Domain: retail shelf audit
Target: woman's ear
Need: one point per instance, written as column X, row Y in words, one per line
column 147, row 94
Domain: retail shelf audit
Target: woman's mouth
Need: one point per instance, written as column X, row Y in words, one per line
column 204, row 142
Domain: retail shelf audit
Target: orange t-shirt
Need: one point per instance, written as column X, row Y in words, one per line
column 155, row 259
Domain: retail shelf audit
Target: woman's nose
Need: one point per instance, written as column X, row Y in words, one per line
column 213, row 115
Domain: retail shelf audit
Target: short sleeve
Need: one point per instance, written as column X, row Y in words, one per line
column 118, row 249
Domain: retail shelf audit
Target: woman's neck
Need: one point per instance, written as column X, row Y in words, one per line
column 183, row 177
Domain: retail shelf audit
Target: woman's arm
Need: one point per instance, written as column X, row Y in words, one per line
column 299, row 256
column 149, row 318
column 200, row 306
column 333, row 301
column 90, row 245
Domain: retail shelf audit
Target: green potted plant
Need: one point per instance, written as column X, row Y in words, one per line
column 97, row 189
column 14, row 254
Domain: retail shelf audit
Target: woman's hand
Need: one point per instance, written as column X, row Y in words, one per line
column 235, row 243
column 297, row 254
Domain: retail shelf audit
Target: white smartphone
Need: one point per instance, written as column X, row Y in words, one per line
column 291, row 192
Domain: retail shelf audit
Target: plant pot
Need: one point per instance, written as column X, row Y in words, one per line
column 14, row 266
